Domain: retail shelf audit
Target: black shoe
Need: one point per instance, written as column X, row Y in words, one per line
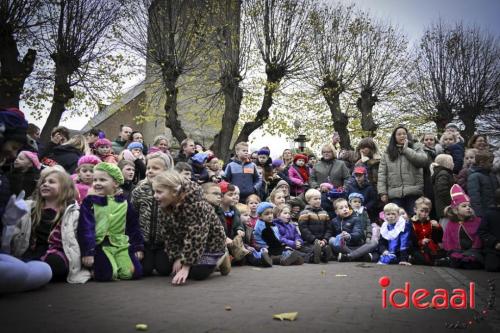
column 316, row 252
column 327, row 253
column 343, row 257
column 290, row 259
column 266, row 260
column 368, row 257
column 442, row 262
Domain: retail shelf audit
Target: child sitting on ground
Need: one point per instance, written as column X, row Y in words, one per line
column 289, row 234
column 277, row 198
column 267, row 235
column 84, row 176
column 394, row 244
column 252, row 202
column 346, row 234
column 461, row 239
column 108, row 230
column 356, row 201
column 313, row 226
column 426, row 235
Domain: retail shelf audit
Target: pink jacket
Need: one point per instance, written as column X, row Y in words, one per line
column 297, row 181
column 451, row 237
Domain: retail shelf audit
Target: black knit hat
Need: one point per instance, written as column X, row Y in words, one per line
column 13, row 125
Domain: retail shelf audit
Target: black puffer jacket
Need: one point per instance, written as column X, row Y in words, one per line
column 442, row 181
column 313, row 224
column 66, row 156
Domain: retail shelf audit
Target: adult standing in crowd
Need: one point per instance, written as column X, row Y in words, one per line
column 137, row 136
column 329, row 169
column 160, row 143
column 58, row 136
column 478, row 141
column 195, row 238
column 287, row 158
column 121, row 141
column 369, row 157
column 92, row 136
column 400, row 175
column 186, row 152
column 68, row 154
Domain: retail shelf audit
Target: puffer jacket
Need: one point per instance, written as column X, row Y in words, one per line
column 353, row 225
column 442, row 181
column 67, row 156
column 456, row 151
column 481, row 185
column 289, row 234
column 69, row 224
column 193, row 228
column 150, row 216
column 403, row 176
column 329, row 171
column 313, row 224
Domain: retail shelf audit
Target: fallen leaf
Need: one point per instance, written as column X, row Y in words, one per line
column 286, row 316
column 340, row 275
column 228, row 308
column 141, row 327
column 256, row 269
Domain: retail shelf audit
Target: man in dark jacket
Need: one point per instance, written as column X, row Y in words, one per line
column 186, row 152
column 119, row 144
column 489, row 232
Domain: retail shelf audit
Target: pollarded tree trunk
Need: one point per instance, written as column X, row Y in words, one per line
column 62, row 95
column 468, row 116
column 331, row 91
column 13, row 73
column 444, row 115
column 365, row 104
column 171, row 116
column 233, row 96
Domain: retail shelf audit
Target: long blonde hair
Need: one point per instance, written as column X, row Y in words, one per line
column 79, row 142
column 67, row 194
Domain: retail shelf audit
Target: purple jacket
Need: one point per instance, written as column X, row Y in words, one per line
column 288, row 232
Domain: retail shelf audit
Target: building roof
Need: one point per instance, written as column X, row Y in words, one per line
column 111, row 109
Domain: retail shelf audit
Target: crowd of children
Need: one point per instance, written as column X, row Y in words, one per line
column 127, row 214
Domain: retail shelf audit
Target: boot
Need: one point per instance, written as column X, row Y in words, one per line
column 316, row 252
column 237, row 249
column 289, row 258
column 266, row 260
column 225, row 265
column 327, row 254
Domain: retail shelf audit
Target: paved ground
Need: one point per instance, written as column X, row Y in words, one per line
column 329, row 298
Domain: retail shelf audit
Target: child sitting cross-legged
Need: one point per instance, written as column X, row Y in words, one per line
column 108, row 229
column 395, row 241
column 346, row 234
column 267, row 235
column 426, row 235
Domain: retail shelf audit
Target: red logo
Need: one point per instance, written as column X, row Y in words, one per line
column 423, row 298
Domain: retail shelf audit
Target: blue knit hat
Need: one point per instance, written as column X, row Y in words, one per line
column 263, row 206
column 264, row 151
column 356, row 195
column 277, row 163
column 200, row 158
column 135, row 145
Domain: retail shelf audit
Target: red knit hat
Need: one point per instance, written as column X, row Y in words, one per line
column 102, row 142
column 300, row 157
column 458, row 196
column 224, row 186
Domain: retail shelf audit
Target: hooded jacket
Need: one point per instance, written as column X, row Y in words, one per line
column 442, row 181
column 481, row 185
column 66, row 156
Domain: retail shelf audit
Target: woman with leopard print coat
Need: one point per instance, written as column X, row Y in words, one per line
column 195, row 238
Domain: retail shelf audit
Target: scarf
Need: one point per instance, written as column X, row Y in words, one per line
column 399, row 227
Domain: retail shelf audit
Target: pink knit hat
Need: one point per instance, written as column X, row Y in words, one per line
column 33, row 157
column 89, row 159
column 458, row 196
column 102, row 142
column 328, row 186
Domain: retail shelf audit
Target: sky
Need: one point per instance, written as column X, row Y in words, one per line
column 412, row 16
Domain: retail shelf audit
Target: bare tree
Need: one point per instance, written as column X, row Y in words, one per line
column 279, row 30
column 73, row 38
column 335, row 32
column 381, row 52
column 17, row 19
column 477, row 71
column 232, row 42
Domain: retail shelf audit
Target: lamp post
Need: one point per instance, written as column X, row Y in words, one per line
column 301, row 139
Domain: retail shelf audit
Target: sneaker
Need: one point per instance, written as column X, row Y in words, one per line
column 327, row 253
column 225, row 266
column 368, row 257
column 266, row 260
column 290, row 259
column 316, row 252
column 342, row 257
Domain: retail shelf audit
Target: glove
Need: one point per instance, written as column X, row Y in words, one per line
column 15, row 209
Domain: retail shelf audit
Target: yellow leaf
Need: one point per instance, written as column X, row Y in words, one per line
column 286, row 316
column 141, row 327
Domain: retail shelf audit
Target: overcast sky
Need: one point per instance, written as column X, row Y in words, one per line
column 413, row 16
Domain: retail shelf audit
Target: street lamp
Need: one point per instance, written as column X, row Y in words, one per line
column 301, row 138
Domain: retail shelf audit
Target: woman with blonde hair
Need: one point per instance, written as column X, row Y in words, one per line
column 195, row 239
column 68, row 154
column 329, row 169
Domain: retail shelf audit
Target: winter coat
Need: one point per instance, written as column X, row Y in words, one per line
column 371, row 166
column 456, row 151
column 333, row 171
column 26, row 181
column 496, row 164
column 281, row 177
column 140, row 170
column 428, row 188
column 289, row 234
column 200, row 173
column 181, row 157
column 481, row 186
column 245, row 176
column 462, row 177
column 271, row 237
column 489, row 230
column 366, row 189
column 118, row 145
column 451, row 237
column 352, row 225
column 313, row 224
column 403, row 176
column 71, row 248
column 299, row 185
column 193, row 228
column 442, row 181
column 150, row 215
column 235, row 226
column 66, row 156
